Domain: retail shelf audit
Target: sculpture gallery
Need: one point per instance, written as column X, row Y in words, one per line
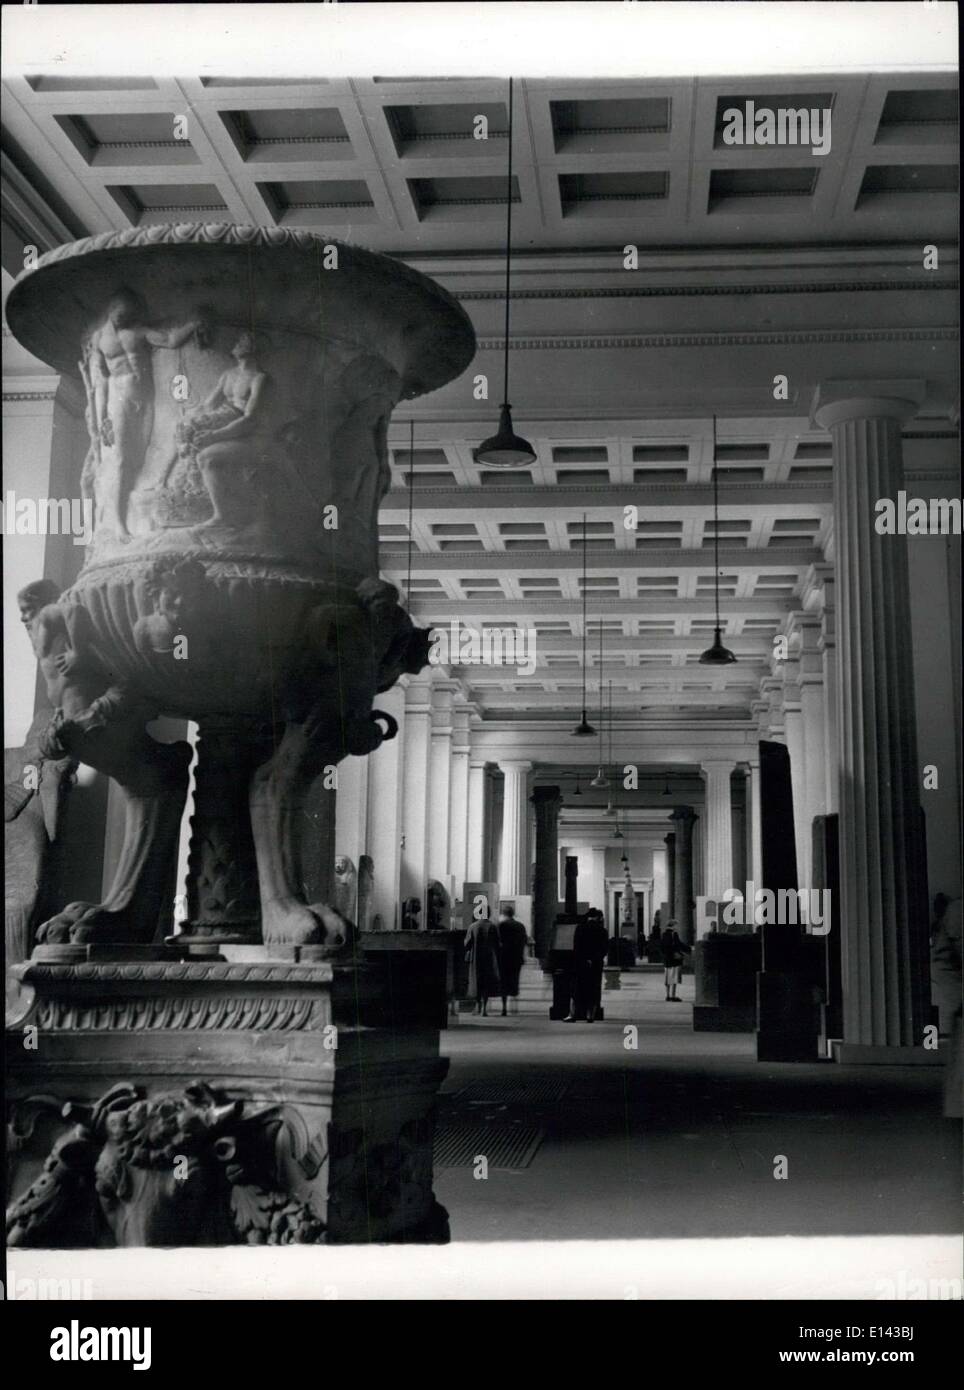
column 239, row 385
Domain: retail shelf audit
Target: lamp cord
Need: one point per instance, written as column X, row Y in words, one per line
column 584, row 633
column 508, row 256
column 716, row 529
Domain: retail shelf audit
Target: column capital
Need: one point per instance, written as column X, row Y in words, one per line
column 519, row 765
column 683, row 816
column 836, row 401
column 817, row 591
column 545, row 796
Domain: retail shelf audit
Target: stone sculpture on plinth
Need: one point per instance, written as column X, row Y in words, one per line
column 236, row 461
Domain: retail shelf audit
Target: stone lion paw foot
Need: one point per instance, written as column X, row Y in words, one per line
column 58, row 929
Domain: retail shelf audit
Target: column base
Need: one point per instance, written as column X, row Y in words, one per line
column 867, row 1054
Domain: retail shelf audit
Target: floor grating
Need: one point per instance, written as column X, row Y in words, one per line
column 460, row 1143
column 528, row 1092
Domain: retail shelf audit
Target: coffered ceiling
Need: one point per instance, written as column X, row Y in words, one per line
column 753, row 262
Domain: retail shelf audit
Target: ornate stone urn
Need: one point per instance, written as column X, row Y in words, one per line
column 239, row 385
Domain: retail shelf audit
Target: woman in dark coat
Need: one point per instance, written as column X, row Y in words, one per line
column 512, row 952
column 482, row 955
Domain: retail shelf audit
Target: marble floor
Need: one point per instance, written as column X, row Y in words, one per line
column 682, row 1137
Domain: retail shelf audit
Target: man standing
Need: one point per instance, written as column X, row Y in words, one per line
column 482, row 956
column 590, row 942
column 512, row 950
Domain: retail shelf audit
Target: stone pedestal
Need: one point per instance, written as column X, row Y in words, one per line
column 725, row 969
column 210, row 1102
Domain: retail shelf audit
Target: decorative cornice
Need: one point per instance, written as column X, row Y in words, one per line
column 700, row 291
column 29, row 395
column 571, row 342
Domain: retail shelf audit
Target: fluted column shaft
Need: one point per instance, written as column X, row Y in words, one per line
column 513, row 872
column 459, row 796
column 545, row 895
column 719, row 828
column 440, row 783
column 418, row 747
column 475, row 846
column 684, row 819
column 883, row 908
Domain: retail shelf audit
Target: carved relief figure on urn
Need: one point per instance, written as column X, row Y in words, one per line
column 121, row 380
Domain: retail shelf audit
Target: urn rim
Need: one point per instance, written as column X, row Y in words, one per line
column 49, row 306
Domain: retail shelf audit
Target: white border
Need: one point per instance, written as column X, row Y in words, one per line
column 670, row 38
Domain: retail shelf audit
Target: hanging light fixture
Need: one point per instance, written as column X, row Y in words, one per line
column 666, row 789
column 577, row 792
column 505, row 449
column 600, row 779
column 583, row 729
column 717, row 655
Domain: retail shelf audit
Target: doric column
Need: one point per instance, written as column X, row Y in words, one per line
column 719, row 828
column 514, row 870
column 818, row 598
column 459, row 794
column 546, row 801
column 670, row 842
column 440, row 777
column 793, row 737
column 385, row 782
column 475, row 846
column 415, row 782
column 351, row 809
column 804, row 632
column 684, row 819
column 883, row 893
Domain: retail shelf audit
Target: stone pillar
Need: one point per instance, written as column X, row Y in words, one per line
column 572, row 884
column 385, row 779
column 440, row 778
column 804, row 631
column 883, row 892
column 222, row 883
column 475, row 846
column 818, row 597
column 684, row 819
column 415, row 782
column 793, row 727
column 514, row 870
column 547, row 801
column 670, row 842
column 719, row 829
column 459, row 795
column 351, row 809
